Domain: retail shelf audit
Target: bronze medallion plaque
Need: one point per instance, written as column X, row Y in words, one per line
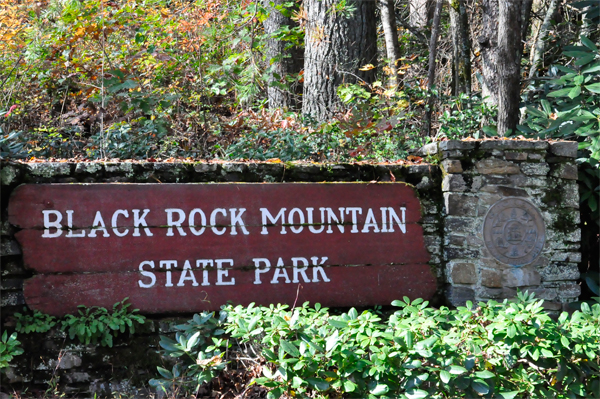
column 514, row 231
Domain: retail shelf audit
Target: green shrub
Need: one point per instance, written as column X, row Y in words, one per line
column 501, row 350
column 9, row 348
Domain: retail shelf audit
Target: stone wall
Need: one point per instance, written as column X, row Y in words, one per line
column 498, row 216
column 528, row 177
column 82, row 370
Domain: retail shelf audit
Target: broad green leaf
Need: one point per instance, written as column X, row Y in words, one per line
column 331, row 341
column 416, row 394
column 480, row 386
column 511, row 331
column 349, row 386
column 380, row 389
column 458, row 370
column 289, row 348
column 594, row 88
column 484, row 374
column 576, row 91
column 275, row 393
column 318, row 383
column 338, row 323
column 564, row 341
column 561, row 93
column 445, row 376
column 165, row 373
column 588, row 43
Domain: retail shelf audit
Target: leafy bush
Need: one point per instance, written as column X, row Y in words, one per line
column 91, row 325
column 503, row 350
column 9, row 348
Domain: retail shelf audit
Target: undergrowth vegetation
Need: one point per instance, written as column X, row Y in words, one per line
column 494, row 350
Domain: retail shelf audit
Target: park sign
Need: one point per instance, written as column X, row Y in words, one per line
column 177, row 248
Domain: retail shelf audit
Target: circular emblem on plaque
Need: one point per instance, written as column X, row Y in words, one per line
column 514, row 231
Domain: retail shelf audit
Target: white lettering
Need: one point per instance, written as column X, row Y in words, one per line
column 354, row 211
column 192, row 221
column 296, row 229
column 98, row 225
column 175, row 223
column 114, row 222
column 204, row 263
column 223, row 273
column 147, row 274
column 187, row 274
column 70, row 225
column 394, row 218
column 237, row 219
column 259, row 271
column 213, row 221
column 167, row 265
column 280, row 272
column 332, row 217
column 266, row 215
column 55, row 224
column 370, row 222
column 302, row 270
column 318, row 269
column 309, row 216
column 139, row 221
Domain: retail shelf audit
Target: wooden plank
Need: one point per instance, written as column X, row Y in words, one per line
column 349, row 286
column 347, row 229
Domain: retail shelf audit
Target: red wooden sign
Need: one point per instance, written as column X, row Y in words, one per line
column 193, row 247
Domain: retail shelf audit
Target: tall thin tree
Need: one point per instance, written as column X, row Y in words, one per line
column 461, row 44
column 435, row 32
column 283, row 58
column 509, row 51
column 338, row 41
column 390, row 32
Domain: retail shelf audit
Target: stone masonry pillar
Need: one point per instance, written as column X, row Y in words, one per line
column 511, row 219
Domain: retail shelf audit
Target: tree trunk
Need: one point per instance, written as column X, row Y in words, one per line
column 338, row 43
column 282, row 59
column 539, row 47
column 525, row 23
column 388, row 21
column 488, row 43
column 461, row 68
column 509, row 46
column 435, row 32
column 419, row 13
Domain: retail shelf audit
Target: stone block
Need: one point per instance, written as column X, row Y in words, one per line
column 463, row 273
column 460, row 204
column 68, row 361
column 520, row 277
column 535, row 157
column 528, row 181
column 433, row 244
column 505, row 191
column 497, row 153
column 120, row 167
column 513, row 145
column 453, row 154
column 490, row 293
column 12, row 298
column 456, row 241
column 452, row 166
column 565, row 171
column 560, row 271
column 564, row 149
column 515, row 156
column 49, row 169
column 459, row 225
column 12, row 268
column 569, row 290
column 454, row 182
column 456, row 145
column 11, row 284
column 206, row 167
column 9, row 247
column 574, row 257
column 429, row 149
column 493, row 166
column 461, row 253
column 491, row 278
column 8, row 174
column 535, row 169
column 458, row 296
column 6, row 229
column 90, row 168
column 552, row 305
